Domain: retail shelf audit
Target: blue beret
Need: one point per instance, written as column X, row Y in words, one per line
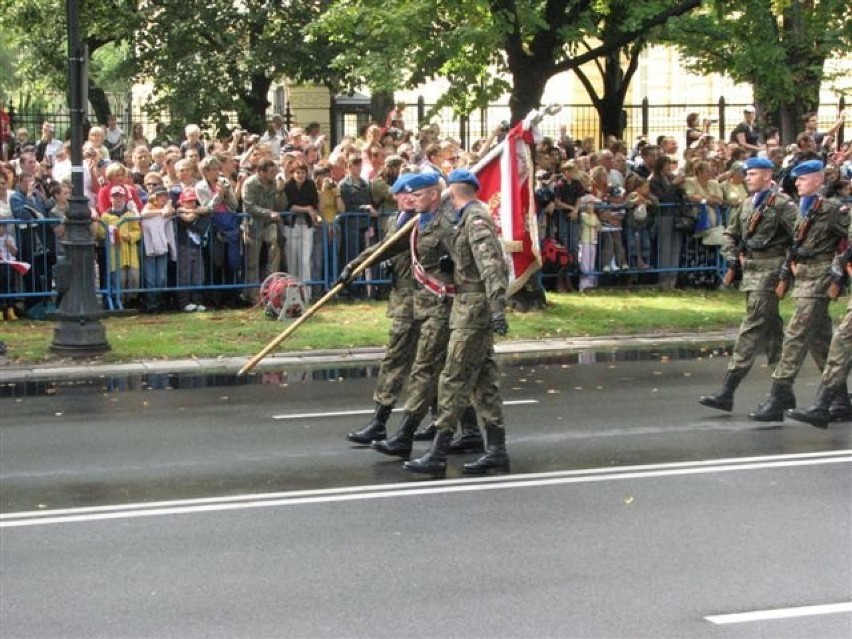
column 811, row 166
column 419, row 181
column 400, row 183
column 759, row 163
column 463, row 176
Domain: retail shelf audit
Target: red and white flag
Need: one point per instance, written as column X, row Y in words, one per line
column 21, row 267
column 506, row 186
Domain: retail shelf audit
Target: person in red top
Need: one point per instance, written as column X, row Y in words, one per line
column 116, row 175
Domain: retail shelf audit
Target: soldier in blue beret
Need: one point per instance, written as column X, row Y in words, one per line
column 806, row 168
column 480, row 280
column 420, row 181
column 759, row 163
column 754, row 244
column 821, row 225
column 463, row 176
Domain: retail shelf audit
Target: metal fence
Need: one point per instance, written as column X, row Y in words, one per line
column 212, row 268
column 582, row 120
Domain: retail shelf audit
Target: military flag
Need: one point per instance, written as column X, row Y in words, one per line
column 505, row 176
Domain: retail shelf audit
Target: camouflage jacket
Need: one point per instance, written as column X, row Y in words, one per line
column 813, row 263
column 481, row 276
column 766, row 248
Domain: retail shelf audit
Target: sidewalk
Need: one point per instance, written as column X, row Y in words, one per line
column 71, row 370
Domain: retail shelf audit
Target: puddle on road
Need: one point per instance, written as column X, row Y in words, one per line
column 325, row 374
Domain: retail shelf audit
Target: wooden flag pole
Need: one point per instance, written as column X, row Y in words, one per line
column 405, row 229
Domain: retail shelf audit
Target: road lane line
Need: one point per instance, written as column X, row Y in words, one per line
column 370, row 411
column 239, row 502
column 781, row 613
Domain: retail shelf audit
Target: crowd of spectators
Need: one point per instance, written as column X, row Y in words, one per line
column 654, row 211
column 176, row 218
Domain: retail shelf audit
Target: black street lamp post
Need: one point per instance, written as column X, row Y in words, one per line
column 78, row 331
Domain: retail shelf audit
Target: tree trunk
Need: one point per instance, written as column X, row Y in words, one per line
column 528, row 85
column 252, row 112
column 611, row 109
column 100, row 102
column 380, row 105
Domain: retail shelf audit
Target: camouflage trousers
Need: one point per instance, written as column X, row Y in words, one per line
column 399, row 353
column 470, row 375
column 428, row 360
column 808, row 329
column 839, row 354
column 761, row 329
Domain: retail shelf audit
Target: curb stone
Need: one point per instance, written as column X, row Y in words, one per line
column 361, row 356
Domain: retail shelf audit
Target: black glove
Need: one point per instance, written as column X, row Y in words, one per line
column 387, row 267
column 838, row 273
column 345, row 277
column 733, row 265
column 499, row 324
column 446, row 265
column 785, row 274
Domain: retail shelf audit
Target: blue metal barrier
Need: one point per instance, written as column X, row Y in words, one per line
column 37, row 243
column 663, row 250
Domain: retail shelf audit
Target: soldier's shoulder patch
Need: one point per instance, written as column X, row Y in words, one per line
column 478, row 221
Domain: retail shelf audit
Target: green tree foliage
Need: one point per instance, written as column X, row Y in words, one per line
column 220, row 55
column 389, row 46
column 777, row 46
column 39, row 30
column 203, row 58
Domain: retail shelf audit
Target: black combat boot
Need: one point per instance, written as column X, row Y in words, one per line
column 375, row 428
column 469, row 440
column 426, row 434
column 818, row 413
column 841, row 408
column 724, row 397
column 495, row 458
column 400, row 444
column 434, row 462
column 772, row 410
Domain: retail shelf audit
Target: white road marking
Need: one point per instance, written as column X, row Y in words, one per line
column 355, row 493
column 781, row 613
column 370, row 411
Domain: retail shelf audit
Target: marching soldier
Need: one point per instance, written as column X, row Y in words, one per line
column 426, row 262
column 820, row 227
column 756, row 241
column 832, row 398
column 404, row 331
column 470, row 372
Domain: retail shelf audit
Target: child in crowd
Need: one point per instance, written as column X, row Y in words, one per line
column 589, row 231
column 191, row 228
column 638, row 204
column 159, row 243
column 8, row 277
column 109, row 232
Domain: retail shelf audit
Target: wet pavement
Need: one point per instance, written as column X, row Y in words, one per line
column 165, row 436
column 190, row 503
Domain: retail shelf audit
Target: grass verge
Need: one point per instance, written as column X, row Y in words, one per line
column 353, row 325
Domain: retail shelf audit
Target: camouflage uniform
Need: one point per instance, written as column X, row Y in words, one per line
column 763, row 256
column 404, row 330
column 434, row 313
column 839, row 361
column 481, row 279
column 810, row 326
column 832, row 399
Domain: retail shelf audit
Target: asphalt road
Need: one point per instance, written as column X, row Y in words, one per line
column 189, row 507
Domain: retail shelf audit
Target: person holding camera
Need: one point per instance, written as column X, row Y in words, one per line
column 263, row 201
